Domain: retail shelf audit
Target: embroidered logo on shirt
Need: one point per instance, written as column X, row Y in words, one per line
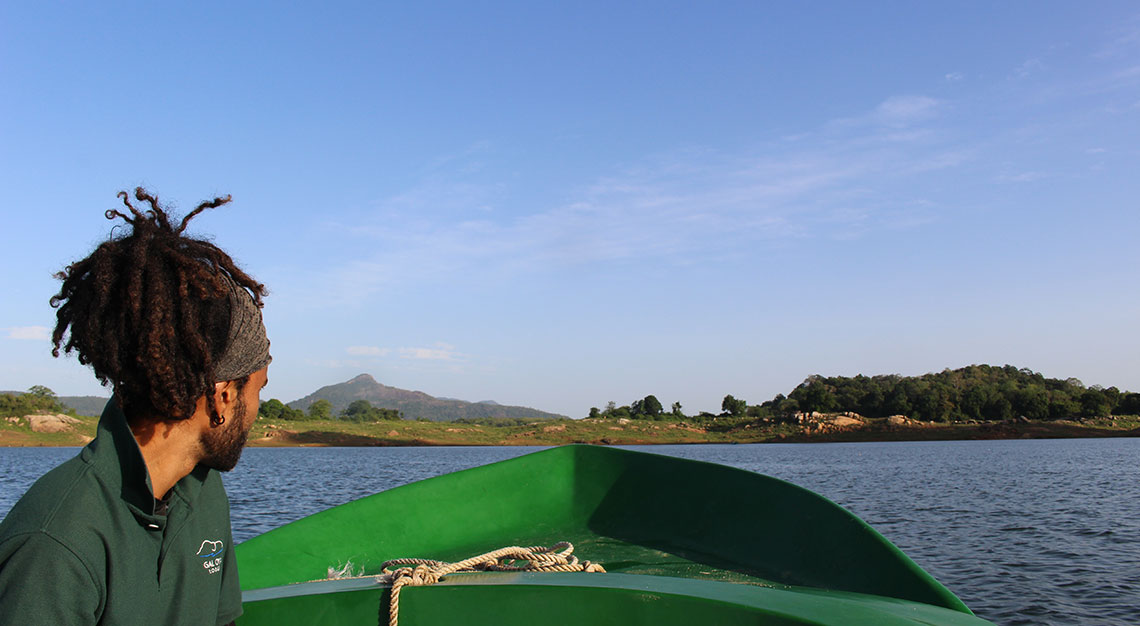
column 211, row 551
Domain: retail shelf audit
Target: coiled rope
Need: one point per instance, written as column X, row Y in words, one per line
column 422, row 572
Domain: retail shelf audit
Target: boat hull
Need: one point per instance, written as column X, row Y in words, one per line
column 682, row 540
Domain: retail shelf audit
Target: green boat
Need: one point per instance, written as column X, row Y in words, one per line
column 682, row 542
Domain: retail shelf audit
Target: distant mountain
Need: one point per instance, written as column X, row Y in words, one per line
column 414, row 404
column 84, row 405
column 479, row 402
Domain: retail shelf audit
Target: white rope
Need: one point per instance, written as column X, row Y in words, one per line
column 422, row 572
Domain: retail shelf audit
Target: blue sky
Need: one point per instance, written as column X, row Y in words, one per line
column 558, row 206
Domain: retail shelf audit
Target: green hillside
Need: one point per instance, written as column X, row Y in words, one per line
column 413, row 404
column 84, row 405
column 978, row 392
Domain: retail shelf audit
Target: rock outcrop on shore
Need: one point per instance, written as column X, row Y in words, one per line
column 47, row 422
column 46, row 429
column 814, row 422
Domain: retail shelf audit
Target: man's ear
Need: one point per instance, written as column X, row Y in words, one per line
column 224, row 394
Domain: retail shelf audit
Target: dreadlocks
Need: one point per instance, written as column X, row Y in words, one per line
column 148, row 311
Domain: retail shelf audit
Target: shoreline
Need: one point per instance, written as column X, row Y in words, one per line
column 817, row 429
column 981, row 432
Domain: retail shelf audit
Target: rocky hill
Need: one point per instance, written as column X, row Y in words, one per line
column 84, row 405
column 414, row 404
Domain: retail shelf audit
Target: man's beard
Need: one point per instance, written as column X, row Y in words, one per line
column 223, row 445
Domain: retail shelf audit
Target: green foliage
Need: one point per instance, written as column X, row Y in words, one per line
column 1094, row 403
column 651, row 406
column 1031, row 401
column 1129, row 404
column 621, row 412
column 320, row 410
column 270, row 409
column 274, row 409
column 357, row 408
column 648, row 407
column 363, row 411
column 788, row 407
column 733, row 407
column 980, row 392
column 898, row 403
column 1062, row 405
column 39, row 391
column 38, row 399
column 498, row 422
column 815, row 395
column 758, row 412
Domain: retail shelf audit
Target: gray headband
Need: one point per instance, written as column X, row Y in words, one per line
column 247, row 346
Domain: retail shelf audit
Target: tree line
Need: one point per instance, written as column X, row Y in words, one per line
column 978, row 392
column 356, row 411
column 40, row 399
column 37, row 399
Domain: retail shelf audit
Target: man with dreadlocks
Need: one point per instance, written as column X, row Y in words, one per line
column 136, row 528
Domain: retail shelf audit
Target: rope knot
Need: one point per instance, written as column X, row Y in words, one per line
column 423, row 572
column 418, row 576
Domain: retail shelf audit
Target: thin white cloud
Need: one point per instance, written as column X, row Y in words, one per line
column 1028, row 68
column 439, row 352
column 671, row 208
column 953, row 77
column 1023, row 177
column 905, row 110
column 337, row 363
column 1125, row 73
column 1123, row 42
column 367, row 350
column 897, row 118
column 36, row 333
column 940, row 160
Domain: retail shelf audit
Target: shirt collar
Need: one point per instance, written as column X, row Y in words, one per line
column 116, row 456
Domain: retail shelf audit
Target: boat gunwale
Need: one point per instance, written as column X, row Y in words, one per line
column 582, row 463
column 785, row 600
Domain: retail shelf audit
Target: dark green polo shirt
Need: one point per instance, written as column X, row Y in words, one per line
column 84, row 545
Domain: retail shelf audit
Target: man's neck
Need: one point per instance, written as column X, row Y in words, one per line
column 168, row 447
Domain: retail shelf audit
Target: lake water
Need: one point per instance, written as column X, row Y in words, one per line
column 1025, row 532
